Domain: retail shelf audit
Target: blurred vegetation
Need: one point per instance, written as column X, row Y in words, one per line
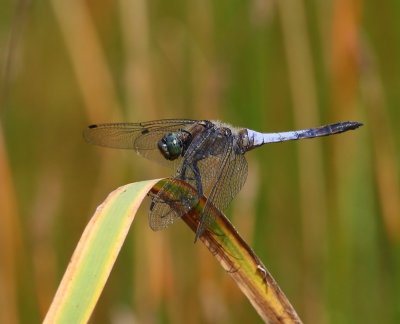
column 324, row 214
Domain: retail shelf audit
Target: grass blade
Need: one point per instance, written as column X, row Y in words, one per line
column 103, row 237
column 95, row 255
column 239, row 260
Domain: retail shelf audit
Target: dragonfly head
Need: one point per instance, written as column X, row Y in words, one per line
column 171, row 146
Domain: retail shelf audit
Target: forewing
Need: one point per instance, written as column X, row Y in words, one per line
column 141, row 137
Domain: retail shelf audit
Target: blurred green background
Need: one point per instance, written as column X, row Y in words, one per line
column 323, row 214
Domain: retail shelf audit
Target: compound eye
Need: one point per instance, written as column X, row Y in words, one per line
column 170, row 146
column 162, row 146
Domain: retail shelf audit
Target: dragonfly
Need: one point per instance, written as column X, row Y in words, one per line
column 208, row 155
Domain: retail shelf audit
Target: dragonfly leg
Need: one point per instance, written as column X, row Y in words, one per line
column 182, row 173
column 197, row 178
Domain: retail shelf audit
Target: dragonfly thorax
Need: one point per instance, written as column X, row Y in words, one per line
column 171, row 146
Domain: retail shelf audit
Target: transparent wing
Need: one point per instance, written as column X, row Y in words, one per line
column 171, row 202
column 229, row 178
column 141, row 137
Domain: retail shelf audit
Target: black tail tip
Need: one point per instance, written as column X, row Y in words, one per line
column 352, row 124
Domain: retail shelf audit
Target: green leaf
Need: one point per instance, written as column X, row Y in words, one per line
column 103, row 237
column 95, row 255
